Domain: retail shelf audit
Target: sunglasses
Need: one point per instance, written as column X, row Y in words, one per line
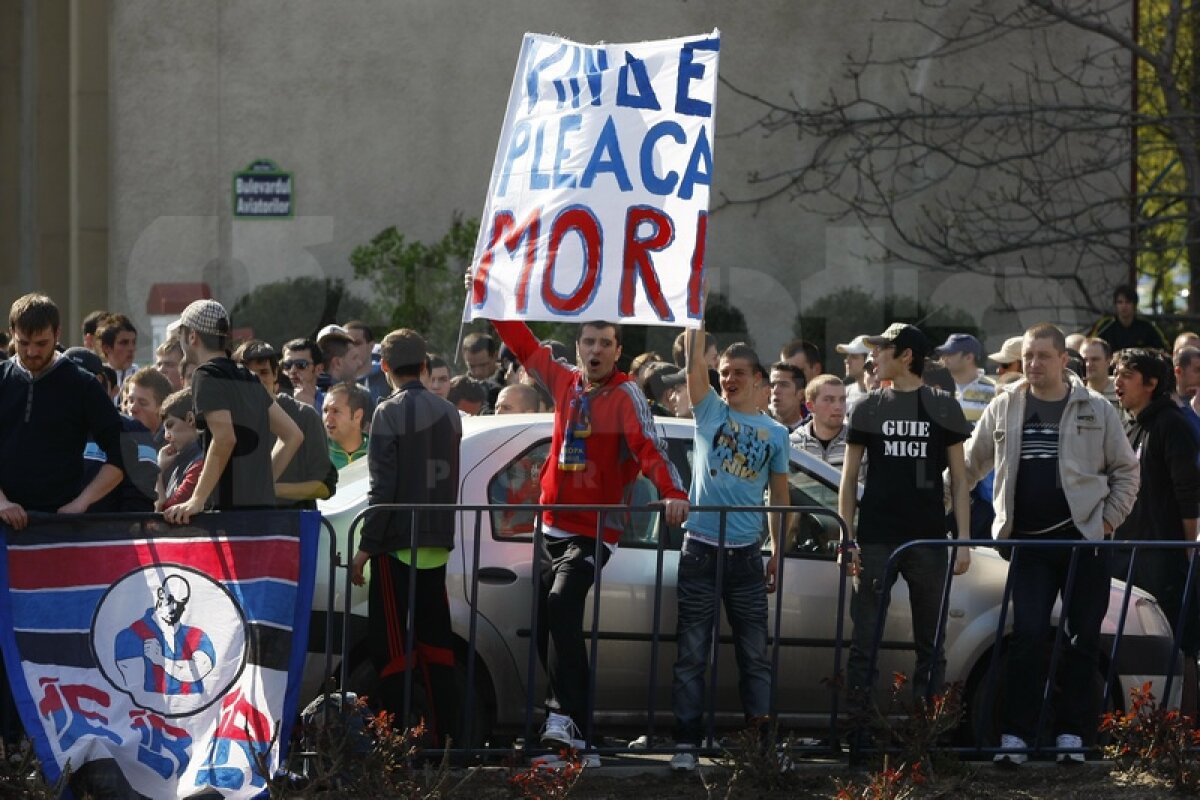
column 299, row 363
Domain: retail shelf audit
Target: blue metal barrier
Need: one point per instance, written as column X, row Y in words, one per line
column 1014, row 548
column 587, row 725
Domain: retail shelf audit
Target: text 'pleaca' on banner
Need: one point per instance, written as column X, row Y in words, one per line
column 598, row 202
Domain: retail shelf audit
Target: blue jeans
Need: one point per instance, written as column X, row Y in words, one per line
column 743, row 589
column 924, row 570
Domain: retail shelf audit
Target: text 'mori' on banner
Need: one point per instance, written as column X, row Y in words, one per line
column 598, row 201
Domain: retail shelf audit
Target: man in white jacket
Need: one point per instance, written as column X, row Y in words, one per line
column 1064, row 471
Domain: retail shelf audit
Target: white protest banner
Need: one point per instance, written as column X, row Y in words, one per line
column 598, row 202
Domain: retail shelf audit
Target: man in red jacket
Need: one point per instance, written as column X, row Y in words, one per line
column 603, row 437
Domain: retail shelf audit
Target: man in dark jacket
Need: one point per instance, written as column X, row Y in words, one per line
column 1124, row 328
column 413, row 459
column 1168, row 500
column 48, row 409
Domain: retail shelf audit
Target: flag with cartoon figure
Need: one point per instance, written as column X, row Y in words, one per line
column 173, row 653
column 598, row 202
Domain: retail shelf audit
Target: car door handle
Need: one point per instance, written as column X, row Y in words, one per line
column 497, row 575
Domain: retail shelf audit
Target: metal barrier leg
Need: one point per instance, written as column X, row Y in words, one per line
column 656, row 632
column 598, row 564
column 710, row 735
column 473, row 699
column 985, row 720
column 535, row 605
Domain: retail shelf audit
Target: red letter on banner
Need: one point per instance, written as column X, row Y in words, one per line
column 581, row 220
column 637, row 259
column 504, row 225
column 696, row 280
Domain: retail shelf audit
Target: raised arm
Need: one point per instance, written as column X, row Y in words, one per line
column 697, row 370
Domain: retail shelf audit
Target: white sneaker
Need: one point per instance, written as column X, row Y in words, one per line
column 1069, row 741
column 640, row 743
column 1014, row 759
column 684, row 759
column 559, row 730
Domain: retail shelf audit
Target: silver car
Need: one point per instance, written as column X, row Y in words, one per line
column 501, row 459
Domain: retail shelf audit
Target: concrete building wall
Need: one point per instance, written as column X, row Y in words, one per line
column 388, row 112
column 54, row 154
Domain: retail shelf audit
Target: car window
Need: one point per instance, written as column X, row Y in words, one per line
column 517, row 484
column 642, row 528
column 811, row 535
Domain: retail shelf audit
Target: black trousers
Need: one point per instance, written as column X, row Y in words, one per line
column 1039, row 576
column 568, row 572
column 432, row 660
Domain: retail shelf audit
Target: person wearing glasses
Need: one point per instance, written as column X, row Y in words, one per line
column 301, row 363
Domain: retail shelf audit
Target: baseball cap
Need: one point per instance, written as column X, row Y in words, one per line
column 661, row 376
column 1009, row 353
column 336, row 332
column 960, row 343
column 206, row 316
column 857, row 347
column 903, row 337
column 84, row 358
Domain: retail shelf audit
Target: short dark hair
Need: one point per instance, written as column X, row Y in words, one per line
column 314, row 349
column 256, row 350
column 405, row 352
column 679, row 351
column 1151, row 365
column 358, row 398
column 359, row 325
column 938, row 377
column 464, row 387
column 92, row 321
column 155, row 381
column 335, row 347
column 34, row 312
column 1127, row 291
column 434, row 361
column 812, row 354
column 599, row 323
column 113, row 326
column 747, row 353
column 478, row 342
column 211, row 341
column 798, row 376
column 178, row 405
column 1046, row 330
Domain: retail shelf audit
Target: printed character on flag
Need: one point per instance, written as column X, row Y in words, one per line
column 598, row 202
column 159, row 652
column 169, row 657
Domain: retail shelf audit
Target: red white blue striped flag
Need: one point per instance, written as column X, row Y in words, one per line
column 173, row 652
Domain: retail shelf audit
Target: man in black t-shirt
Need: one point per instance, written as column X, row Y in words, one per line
column 236, row 416
column 1041, row 434
column 909, row 434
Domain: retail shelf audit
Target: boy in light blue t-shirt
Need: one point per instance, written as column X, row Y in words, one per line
column 739, row 453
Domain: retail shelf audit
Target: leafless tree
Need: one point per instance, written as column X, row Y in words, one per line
column 1017, row 155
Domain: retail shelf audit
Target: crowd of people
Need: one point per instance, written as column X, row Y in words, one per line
column 1082, row 437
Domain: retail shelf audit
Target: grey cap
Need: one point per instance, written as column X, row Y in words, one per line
column 206, row 316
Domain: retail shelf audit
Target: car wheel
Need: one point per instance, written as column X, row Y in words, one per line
column 364, row 681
